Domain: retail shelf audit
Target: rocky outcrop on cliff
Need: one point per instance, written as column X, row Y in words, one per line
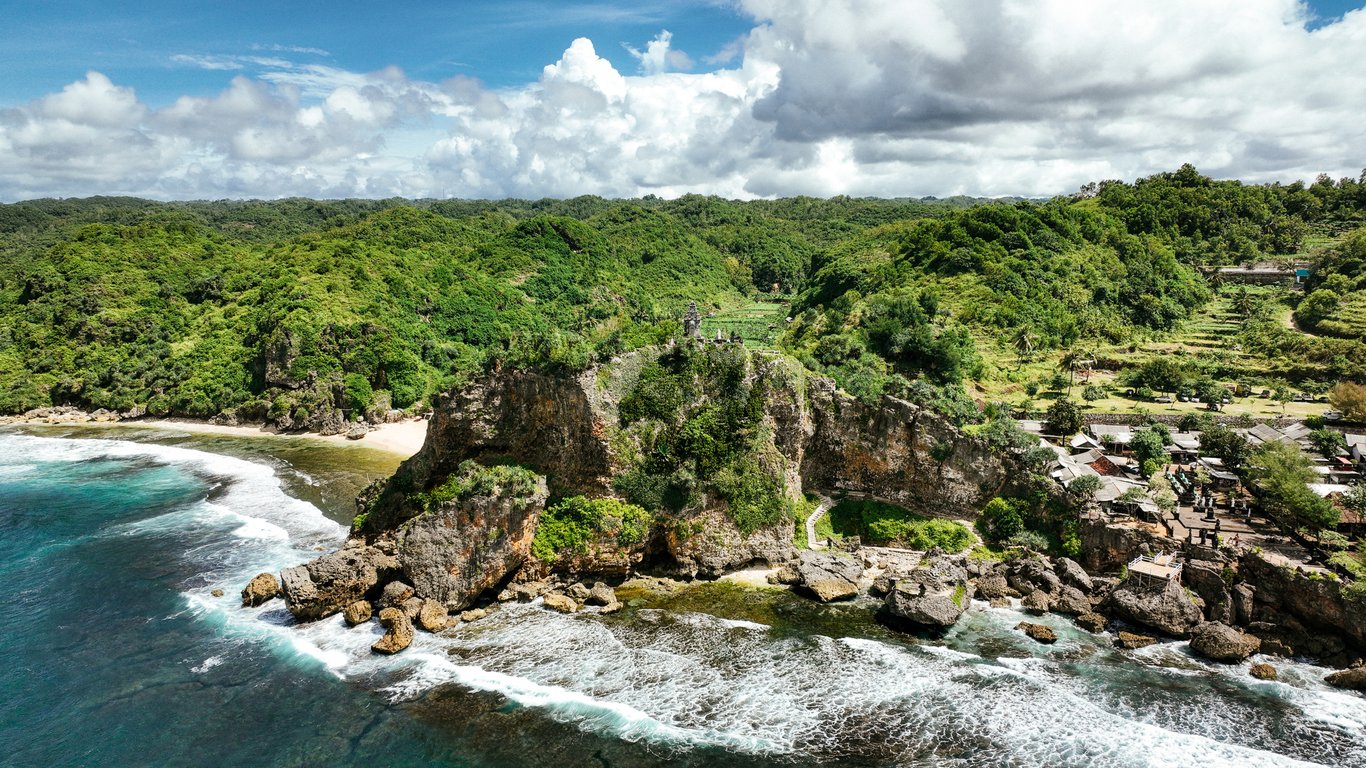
column 1304, row 612
column 1165, row 607
column 1220, row 642
column 458, row 549
column 933, row 596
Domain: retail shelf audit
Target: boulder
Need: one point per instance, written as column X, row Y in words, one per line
column 882, row 585
column 785, row 574
column 396, row 593
column 577, row 591
column 992, row 586
column 1091, row 622
column 433, row 616
column 1165, row 607
column 1263, row 672
column 473, row 614
column 523, row 593
column 1037, row 602
column 1033, row 573
column 562, row 603
column 601, row 594
column 1039, row 632
column 1073, row 574
column 1272, row 646
column 218, row 593
column 1220, row 642
column 1132, row 641
column 1351, row 679
column 400, row 634
column 1071, row 601
column 999, row 602
column 931, row 596
column 1243, row 595
column 328, row 584
column 828, row 575
column 358, row 612
column 262, row 588
column 613, row 607
column 412, row 607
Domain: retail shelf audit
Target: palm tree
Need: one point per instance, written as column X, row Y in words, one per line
column 1071, row 359
column 1244, row 303
column 1025, row 341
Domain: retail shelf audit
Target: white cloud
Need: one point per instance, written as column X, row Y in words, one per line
column 823, row 97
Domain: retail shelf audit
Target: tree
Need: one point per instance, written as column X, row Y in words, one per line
column 1283, row 473
column 1148, row 448
column 1084, row 488
column 1210, row 393
column 1317, row 306
column 1002, row 518
column 1327, row 442
column 1092, row 393
column 1349, row 399
column 1223, row 443
column 1063, row 418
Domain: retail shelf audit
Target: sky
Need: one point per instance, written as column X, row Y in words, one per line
column 739, row 98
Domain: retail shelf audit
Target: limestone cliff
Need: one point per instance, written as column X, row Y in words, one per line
column 722, row 443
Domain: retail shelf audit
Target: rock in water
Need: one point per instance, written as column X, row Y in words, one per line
column 933, row 595
column 613, row 607
column 358, row 612
column 1039, row 632
column 1350, row 679
column 1131, row 641
column 218, row 593
column 473, row 614
column 601, row 594
column 577, row 591
column 562, row 603
column 328, row 584
column 1166, row 608
column 1263, row 672
column 1091, row 622
column 262, row 588
column 992, row 586
column 433, row 616
column 829, row 576
column 400, row 634
column 1220, row 642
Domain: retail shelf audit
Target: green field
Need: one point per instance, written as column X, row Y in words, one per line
column 759, row 323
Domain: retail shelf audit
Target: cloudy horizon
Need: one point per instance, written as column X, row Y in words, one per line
column 889, row 98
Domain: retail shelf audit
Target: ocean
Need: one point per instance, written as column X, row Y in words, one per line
column 118, row 654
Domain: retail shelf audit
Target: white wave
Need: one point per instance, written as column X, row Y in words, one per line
column 208, row 664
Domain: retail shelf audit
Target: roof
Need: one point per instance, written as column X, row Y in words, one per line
column 1296, row 431
column 1189, row 441
column 1117, row 433
column 1264, row 433
column 1355, row 439
column 1328, row 489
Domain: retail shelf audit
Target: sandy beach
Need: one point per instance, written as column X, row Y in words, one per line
column 402, row 438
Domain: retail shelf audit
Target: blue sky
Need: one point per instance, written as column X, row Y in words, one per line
column 45, row 45
column 740, row 98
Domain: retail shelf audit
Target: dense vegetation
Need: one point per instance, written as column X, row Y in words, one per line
column 571, row 525
column 883, row 524
column 312, row 313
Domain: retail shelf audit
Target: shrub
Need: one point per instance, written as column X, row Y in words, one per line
column 575, row 522
column 1031, row 540
column 1002, row 518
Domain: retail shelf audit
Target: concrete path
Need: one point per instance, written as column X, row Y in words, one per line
column 821, row 509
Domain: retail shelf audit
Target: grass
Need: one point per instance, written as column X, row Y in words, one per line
column 879, row 523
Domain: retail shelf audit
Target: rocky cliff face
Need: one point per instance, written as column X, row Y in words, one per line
column 802, row 436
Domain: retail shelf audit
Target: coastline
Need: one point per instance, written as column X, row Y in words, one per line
column 403, row 438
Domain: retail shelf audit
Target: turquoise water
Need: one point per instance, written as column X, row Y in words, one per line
column 117, row 654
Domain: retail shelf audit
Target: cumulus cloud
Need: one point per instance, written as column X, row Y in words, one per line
column 823, row 97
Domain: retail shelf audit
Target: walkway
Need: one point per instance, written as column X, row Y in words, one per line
column 821, row 509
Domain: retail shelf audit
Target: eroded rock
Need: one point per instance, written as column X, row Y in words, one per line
column 1263, row 672
column 601, row 594
column 934, row 595
column 1092, row 622
column 328, row 584
column 1133, row 641
column 432, row 616
column 262, row 588
column 1220, row 642
column 400, row 634
column 1039, row 632
column 1350, row 679
column 358, row 612
column 829, row 576
column 1165, row 607
column 562, row 603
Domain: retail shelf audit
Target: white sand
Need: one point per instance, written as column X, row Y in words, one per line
column 403, row 438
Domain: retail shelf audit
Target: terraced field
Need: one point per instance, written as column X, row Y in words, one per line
column 759, row 323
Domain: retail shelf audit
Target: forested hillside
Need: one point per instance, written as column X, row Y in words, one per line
column 312, row 313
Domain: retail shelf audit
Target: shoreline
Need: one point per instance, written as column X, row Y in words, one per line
column 402, row 438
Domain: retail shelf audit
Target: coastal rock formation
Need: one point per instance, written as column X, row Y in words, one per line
column 1092, row 622
column 601, row 594
column 1351, row 679
column 562, row 603
column 1071, row 601
column 992, row 586
column 400, row 634
column 1073, row 574
column 1308, row 612
column 932, row 596
column 262, row 588
column 1165, row 607
column 1038, row 632
column 1133, row 641
column 459, row 548
column 1220, row 642
column 432, row 616
column 1263, row 672
column 1037, row 602
column 358, row 612
column 829, row 575
column 328, row 584
column 1206, row 579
